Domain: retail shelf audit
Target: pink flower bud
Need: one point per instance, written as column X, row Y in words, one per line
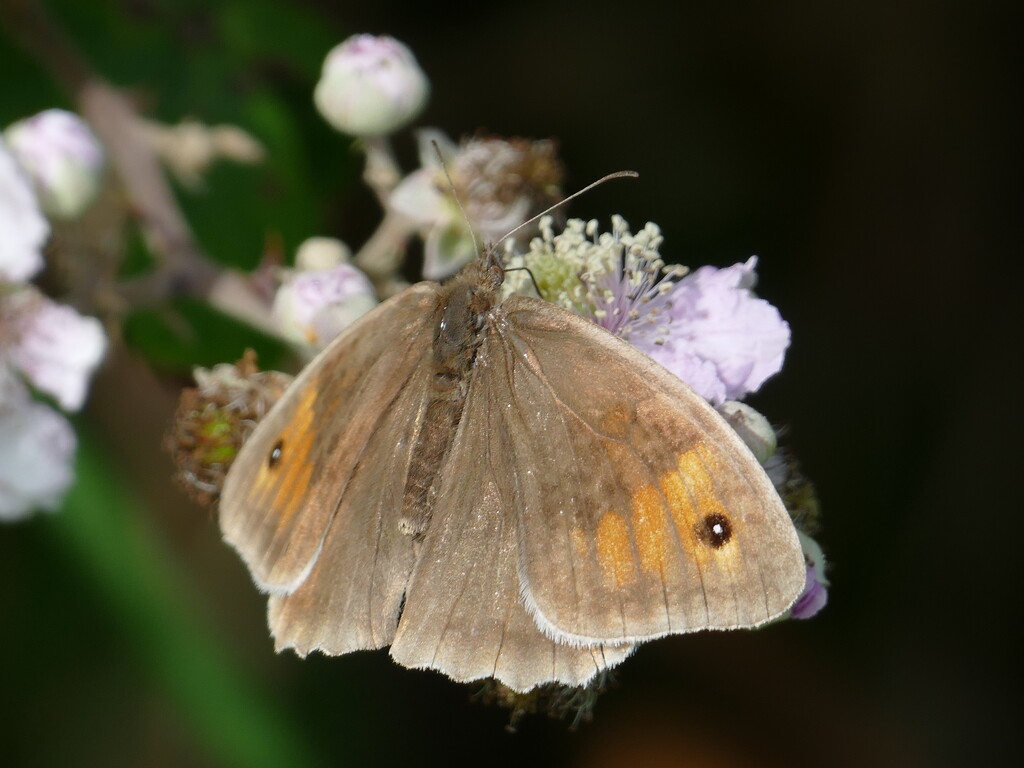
column 370, row 86
column 61, row 156
column 312, row 306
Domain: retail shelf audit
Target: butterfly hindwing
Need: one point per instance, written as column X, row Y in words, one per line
column 640, row 512
column 464, row 614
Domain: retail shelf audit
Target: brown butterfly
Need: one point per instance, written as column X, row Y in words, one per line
column 501, row 489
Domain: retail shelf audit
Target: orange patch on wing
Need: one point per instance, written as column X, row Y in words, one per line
column 680, row 504
column 691, row 496
column 696, row 466
column 613, row 549
column 289, row 478
column 649, row 525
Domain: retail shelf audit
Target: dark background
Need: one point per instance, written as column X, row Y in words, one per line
column 869, row 154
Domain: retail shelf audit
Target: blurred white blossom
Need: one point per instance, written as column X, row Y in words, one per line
column 370, row 86
column 36, row 453
column 23, row 228
column 55, row 348
column 62, row 157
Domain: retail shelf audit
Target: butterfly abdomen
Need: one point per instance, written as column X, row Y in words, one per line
column 457, row 336
column 439, row 425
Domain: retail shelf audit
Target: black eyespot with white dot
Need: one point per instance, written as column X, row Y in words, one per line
column 275, row 454
column 715, row 531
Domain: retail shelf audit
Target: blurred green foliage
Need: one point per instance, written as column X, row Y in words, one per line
column 252, row 64
column 248, row 63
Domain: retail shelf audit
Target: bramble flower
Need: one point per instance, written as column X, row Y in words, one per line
column 707, row 327
column 36, row 453
column 322, row 296
column 370, row 86
column 717, row 320
column 23, row 225
column 56, row 348
column 63, row 158
column 500, row 183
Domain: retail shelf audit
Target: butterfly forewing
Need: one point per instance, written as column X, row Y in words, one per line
column 640, row 512
column 353, row 595
column 281, row 497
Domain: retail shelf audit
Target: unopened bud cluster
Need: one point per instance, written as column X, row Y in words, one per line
column 215, row 418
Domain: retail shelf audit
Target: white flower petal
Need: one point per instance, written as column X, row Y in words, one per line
column 23, row 227
column 417, row 198
column 57, row 349
column 36, row 459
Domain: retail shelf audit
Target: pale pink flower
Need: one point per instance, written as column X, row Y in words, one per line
column 707, row 327
column 715, row 322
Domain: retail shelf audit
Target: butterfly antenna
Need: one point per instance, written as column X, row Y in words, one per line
column 577, row 193
column 455, row 194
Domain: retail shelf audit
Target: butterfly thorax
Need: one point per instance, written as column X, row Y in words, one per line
column 464, row 303
column 465, row 300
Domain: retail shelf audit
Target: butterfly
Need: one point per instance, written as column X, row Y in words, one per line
column 501, row 489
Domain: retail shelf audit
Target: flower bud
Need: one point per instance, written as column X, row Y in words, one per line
column 323, row 297
column 370, row 86
column 61, row 156
column 752, row 427
column 215, row 418
column 321, row 253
